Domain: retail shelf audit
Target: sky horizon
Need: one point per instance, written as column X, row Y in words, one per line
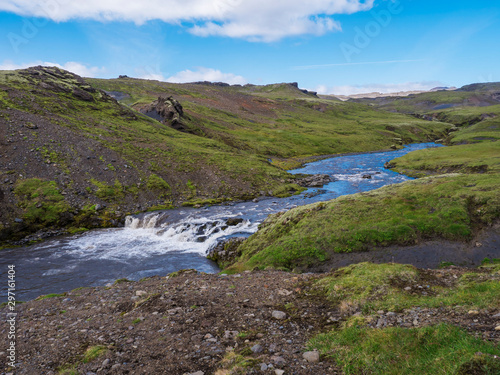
column 341, row 47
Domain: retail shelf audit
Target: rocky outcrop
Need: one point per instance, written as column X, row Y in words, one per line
column 226, row 252
column 168, row 111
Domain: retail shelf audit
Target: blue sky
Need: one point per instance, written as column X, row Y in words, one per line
column 333, row 46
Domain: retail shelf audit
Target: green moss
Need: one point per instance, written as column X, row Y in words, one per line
column 442, row 349
column 371, row 287
column 52, row 295
column 288, row 190
column 108, row 192
column 93, row 352
column 157, row 183
column 41, row 201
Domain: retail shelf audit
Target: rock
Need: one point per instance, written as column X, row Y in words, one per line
column 496, row 316
column 278, row 361
column 280, row 315
column 197, row 373
column 116, row 367
column 257, row 348
column 230, row 334
column 312, row 357
column 263, row 367
column 367, row 176
column 279, row 372
column 389, row 165
column 168, row 111
column 316, row 180
column 497, row 328
column 473, row 312
column 18, row 220
column 234, row 221
column 106, row 362
column 408, row 288
column 141, row 293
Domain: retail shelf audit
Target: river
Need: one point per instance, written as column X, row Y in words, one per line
column 162, row 242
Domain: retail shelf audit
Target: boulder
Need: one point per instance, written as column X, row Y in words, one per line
column 315, row 180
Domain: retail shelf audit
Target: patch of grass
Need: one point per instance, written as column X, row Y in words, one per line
column 121, row 281
column 288, row 190
column 371, row 287
column 108, row 192
column 441, row 349
column 157, row 183
column 93, row 352
column 51, row 295
column 41, row 201
column 234, row 363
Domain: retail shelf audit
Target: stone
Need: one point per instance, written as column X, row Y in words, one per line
column 496, row 316
column 497, row 328
column 279, row 372
column 312, row 357
column 197, row 373
column 367, row 176
column 230, row 334
column 263, row 367
column 473, row 312
column 141, row 293
column 280, row 315
column 106, row 362
column 256, row 348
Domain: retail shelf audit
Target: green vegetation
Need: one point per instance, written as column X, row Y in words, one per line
column 441, row 349
column 449, row 207
column 108, row 192
column 371, row 287
column 41, row 201
column 472, row 158
column 52, row 295
column 93, row 352
column 157, row 183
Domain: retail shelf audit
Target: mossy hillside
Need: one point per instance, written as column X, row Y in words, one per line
column 450, row 207
column 442, row 349
column 97, row 151
column 295, row 124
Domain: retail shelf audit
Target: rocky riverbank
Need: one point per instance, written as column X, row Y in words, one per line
column 192, row 323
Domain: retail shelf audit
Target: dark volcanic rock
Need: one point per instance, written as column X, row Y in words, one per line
column 226, row 252
column 316, row 180
column 168, row 111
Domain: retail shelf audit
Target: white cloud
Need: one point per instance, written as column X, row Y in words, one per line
column 206, row 74
column 375, row 87
column 72, row 66
column 257, row 20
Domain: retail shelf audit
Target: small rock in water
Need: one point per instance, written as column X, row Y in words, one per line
column 311, row 356
column 280, row 315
